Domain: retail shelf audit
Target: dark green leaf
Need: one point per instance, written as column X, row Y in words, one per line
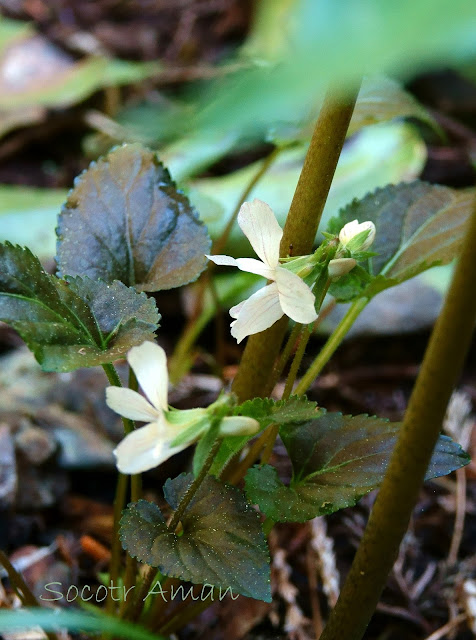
column 222, row 542
column 336, row 460
column 74, row 323
column 125, row 220
column 419, row 225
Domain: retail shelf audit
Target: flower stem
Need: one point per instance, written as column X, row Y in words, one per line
column 116, row 547
column 234, row 472
column 121, row 493
column 136, row 479
column 298, row 356
column 390, row 515
column 18, row 583
column 115, row 381
column 193, row 488
column 136, row 605
column 331, row 345
column 299, row 232
column 283, row 358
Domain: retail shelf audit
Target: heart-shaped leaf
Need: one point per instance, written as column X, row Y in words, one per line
column 125, row 220
column 336, row 460
column 71, row 323
column 222, row 543
column 419, row 225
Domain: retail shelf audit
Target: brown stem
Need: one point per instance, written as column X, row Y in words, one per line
column 390, row 515
column 299, row 232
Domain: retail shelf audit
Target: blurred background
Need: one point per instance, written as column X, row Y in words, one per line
column 219, row 87
column 216, row 86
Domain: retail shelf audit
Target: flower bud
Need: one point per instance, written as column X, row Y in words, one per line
column 340, row 267
column 356, row 236
column 238, row 426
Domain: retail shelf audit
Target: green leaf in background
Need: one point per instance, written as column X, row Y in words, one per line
column 345, row 40
column 411, row 306
column 222, row 542
column 125, row 220
column 268, row 38
column 53, row 620
column 74, row 323
column 378, row 155
column 28, row 217
column 45, row 76
column 419, row 225
column 381, row 99
column 336, row 460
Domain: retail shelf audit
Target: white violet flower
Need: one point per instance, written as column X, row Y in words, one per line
column 287, row 294
column 168, row 430
column 349, row 232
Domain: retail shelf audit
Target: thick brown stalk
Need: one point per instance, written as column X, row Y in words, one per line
column 391, row 513
column 299, row 232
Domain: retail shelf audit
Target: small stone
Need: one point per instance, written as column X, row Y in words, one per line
column 8, row 469
column 35, row 443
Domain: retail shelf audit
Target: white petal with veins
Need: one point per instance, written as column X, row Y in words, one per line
column 295, row 297
column 258, row 313
column 138, row 451
column 130, row 404
column 235, row 311
column 149, row 363
column 255, row 266
column 259, row 224
column 225, row 261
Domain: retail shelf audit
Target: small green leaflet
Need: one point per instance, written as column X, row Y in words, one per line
column 71, row 323
column 336, row 460
column 125, row 220
column 266, row 411
column 419, row 225
column 222, row 542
